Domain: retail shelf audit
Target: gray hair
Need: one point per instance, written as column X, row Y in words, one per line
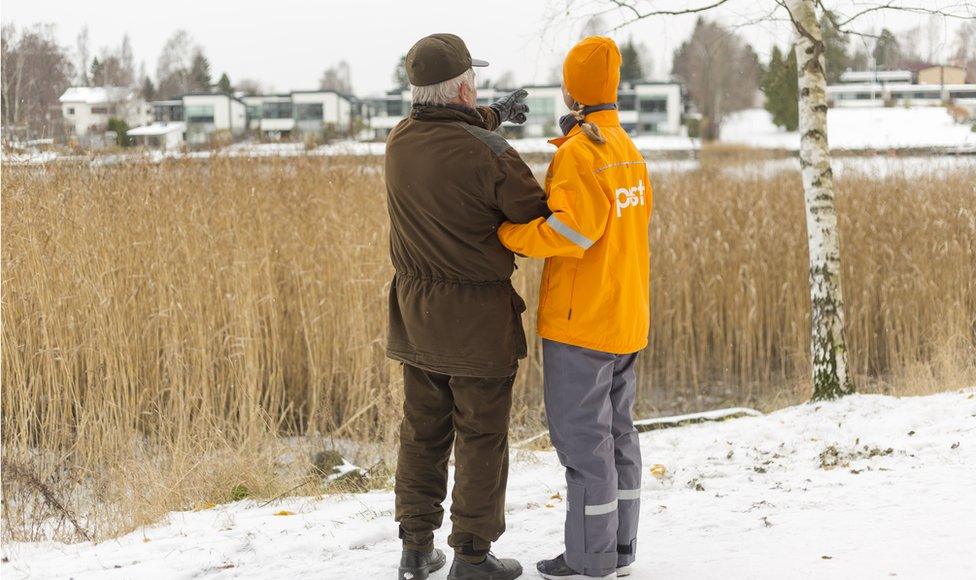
column 443, row 92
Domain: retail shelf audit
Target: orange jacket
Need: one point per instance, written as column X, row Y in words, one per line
column 594, row 290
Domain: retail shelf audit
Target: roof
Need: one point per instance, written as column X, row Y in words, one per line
column 96, row 95
column 943, row 66
column 853, row 76
column 156, row 129
column 217, row 95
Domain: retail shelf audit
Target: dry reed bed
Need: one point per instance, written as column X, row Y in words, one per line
column 162, row 324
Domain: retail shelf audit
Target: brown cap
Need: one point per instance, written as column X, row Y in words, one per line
column 437, row 58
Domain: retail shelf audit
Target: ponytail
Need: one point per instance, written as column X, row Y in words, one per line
column 589, row 129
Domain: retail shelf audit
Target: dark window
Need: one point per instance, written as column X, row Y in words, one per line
column 71, row 110
column 99, row 110
column 276, row 110
column 200, row 114
column 649, row 127
column 254, row 111
column 962, row 94
column 655, row 105
column 627, row 102
column 308, row 111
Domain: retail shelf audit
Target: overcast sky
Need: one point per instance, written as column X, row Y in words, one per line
column 286, row 44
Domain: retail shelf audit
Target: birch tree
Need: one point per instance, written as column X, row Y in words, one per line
column 829, row 354
column 828, row 349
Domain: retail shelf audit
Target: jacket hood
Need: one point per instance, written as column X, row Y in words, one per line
column 591, row 71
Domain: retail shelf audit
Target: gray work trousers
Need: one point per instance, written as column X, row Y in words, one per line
column 589, row 404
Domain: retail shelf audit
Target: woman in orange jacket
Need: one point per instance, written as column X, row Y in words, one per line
column 593, row 313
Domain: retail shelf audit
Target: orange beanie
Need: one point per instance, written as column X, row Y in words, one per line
column 591, row 71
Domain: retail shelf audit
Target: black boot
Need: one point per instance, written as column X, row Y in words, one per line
column 490, row 569
column 558, row 569
column 416, row 565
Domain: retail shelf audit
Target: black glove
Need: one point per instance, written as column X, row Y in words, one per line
column 511, row 107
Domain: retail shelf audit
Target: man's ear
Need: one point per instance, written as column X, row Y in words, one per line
column 464, row 92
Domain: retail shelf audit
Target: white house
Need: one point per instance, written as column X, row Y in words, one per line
column 270, row 114
column 87, row 110
column 206, row 113
column 651, row 107
column 381, row 114
column 315, row 111
column 880, row 88
column 876, row 76
column 300, row 112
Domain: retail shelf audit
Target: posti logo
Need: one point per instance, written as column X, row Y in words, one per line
column 629, row 197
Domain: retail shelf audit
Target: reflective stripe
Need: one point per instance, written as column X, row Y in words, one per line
column 628, row 493
column 599, row 510
column 570, row 234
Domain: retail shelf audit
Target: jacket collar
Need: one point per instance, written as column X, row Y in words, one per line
column 608, row 118
column 449, row 112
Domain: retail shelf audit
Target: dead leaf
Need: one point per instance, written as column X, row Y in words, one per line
column 284, row 513
column 659, row 471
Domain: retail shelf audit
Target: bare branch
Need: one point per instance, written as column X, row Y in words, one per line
column 946, row 12
column 638, row 15
column 833, row 22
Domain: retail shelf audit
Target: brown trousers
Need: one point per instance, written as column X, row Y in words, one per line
column 472, row 413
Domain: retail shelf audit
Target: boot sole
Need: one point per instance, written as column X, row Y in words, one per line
column 623, row 571
column 499, row 576
column 420, row 573
column 610, row 576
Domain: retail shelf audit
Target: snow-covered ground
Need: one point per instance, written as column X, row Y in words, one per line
column 858, row 128
column 864, row 487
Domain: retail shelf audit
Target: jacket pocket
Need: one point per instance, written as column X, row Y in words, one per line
column 560, row 281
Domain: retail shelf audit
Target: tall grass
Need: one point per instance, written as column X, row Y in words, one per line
column 164, row 325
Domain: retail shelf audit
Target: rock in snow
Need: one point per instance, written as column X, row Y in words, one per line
column 865, row 487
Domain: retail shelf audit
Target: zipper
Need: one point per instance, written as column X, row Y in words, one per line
column 572, row 292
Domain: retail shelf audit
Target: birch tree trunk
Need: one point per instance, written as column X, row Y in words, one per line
column 831, row 371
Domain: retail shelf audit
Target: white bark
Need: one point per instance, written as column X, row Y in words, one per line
column 831, row 372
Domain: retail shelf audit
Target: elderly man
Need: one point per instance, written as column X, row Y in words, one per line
column 455, row 320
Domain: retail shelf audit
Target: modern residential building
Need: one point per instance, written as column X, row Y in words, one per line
column 651, row 107
column 87, row 110
column 646, row 107
column 301, row 113
column 903, row 88
column 207, row 113
column 876, row 76
column 381, row 114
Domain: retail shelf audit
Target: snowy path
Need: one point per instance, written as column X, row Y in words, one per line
column 748, row 498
